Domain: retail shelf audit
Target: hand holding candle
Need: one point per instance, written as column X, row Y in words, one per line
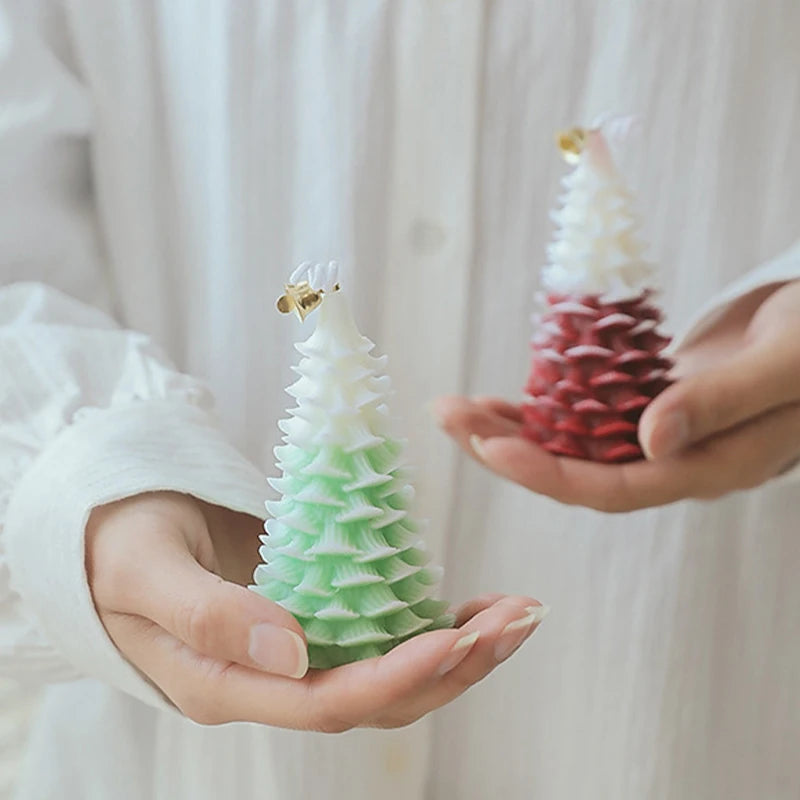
column 221, row 653
column 344, row 559
column 598, row 387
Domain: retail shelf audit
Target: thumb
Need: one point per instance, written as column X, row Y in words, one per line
column 218, row 618
column 724, row 396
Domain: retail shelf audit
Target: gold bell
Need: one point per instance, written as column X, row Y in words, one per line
column 571, row 143
column 301, row 298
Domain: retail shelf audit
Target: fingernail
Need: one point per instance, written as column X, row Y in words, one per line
column 458, row 652
column 515, row 633
column 278, row 650
column 671, row 434
column 476, row 443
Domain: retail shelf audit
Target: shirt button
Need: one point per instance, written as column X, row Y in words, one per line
column 427, row 237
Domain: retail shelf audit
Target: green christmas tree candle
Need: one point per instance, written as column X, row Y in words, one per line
column 342, row 553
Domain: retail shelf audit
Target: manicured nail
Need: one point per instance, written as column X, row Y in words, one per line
column 278, row 650
column 671, row 435
column 458, row 652
column 516, row 632
column 476, row 443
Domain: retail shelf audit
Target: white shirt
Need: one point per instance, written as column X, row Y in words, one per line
column 166, row 163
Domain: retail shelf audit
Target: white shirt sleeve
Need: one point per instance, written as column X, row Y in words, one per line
column 89, row 414
column 784, row 268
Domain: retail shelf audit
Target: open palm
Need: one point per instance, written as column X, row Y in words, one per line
column 168, row 576
column 731, row 421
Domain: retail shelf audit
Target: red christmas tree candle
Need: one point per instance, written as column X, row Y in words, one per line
column 597, row 351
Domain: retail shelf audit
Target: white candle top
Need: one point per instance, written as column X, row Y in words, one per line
column 322, row 277
column 596, row 249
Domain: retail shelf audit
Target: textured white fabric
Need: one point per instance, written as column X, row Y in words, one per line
column 107, row 456
column 93, row 414
column 779, row 270
column 171, row 161
column 596, row 247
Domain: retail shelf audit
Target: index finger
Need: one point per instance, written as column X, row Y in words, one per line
column 604, row 487
column 411, row 676
column 212, row 692
column 461, row 417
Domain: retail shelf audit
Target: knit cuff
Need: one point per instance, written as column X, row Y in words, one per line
column 108, row 455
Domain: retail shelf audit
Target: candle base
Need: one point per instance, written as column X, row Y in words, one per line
column 597, row 365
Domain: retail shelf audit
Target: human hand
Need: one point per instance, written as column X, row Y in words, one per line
column 166, row 572
column 731, row 421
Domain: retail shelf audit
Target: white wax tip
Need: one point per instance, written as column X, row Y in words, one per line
column 596, row 249
column 322, row 277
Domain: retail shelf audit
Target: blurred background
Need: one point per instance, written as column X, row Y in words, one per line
column 190, row 154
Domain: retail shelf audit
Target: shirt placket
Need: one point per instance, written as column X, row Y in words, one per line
column 431, row 228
